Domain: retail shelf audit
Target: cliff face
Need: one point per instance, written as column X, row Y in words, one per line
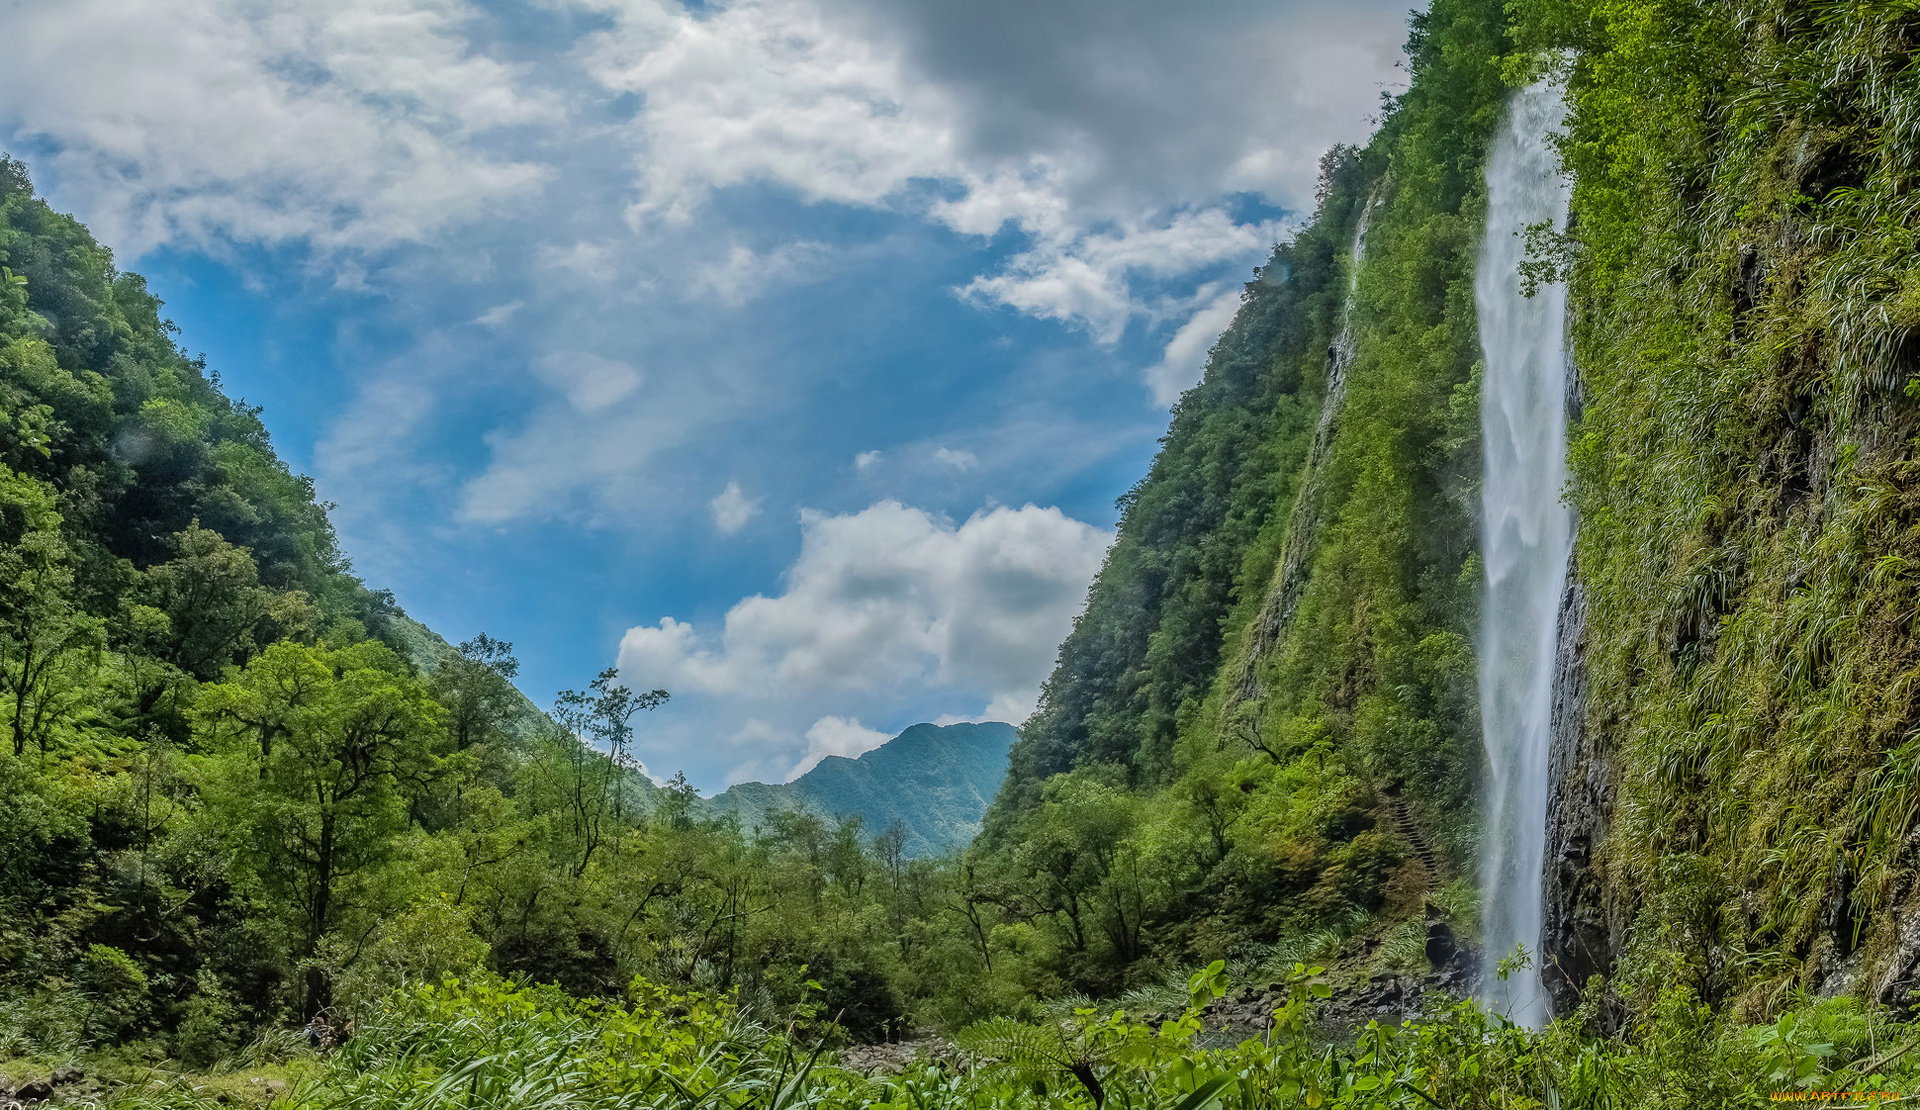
column 1284, row 630
column 1584, row 930
column 1281, row 637
column 1737, row 770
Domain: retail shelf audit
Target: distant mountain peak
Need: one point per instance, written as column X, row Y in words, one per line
column 937, row 780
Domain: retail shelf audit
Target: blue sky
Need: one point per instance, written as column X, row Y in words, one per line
column 788, row 353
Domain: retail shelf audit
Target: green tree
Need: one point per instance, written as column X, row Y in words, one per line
column 323, row 746
column 217, row 612
column 595, row 720
column 48, row 648
column 476, row 686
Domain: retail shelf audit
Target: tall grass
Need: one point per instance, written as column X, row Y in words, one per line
column 494, row 1046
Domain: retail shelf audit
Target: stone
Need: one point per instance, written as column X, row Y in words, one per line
column 1442, row 947
column 1584, row 927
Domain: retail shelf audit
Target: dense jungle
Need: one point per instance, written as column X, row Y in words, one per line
column 263, row 838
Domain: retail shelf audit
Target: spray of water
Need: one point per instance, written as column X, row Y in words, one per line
column 1527, row 534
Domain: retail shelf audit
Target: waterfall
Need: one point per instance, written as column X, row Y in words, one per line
column 1527, row 533
column 1341, row 353
column 1290, row 576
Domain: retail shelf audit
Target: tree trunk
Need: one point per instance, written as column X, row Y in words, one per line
column 322, row 905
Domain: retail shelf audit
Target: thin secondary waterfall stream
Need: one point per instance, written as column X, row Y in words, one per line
column 1527, row 533
column 1289, row 578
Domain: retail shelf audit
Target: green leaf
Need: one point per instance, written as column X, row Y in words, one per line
column 1206, row 1093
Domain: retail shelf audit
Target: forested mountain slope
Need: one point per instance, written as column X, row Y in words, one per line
column 1274, row 680
column 932, row 782
column 237, row 787
column 1275, row 664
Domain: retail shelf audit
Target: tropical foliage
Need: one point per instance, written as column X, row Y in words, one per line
column 242, row 789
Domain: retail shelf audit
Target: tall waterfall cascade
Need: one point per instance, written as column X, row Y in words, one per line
column 1526, row 536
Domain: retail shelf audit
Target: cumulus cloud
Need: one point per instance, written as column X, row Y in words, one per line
column 732, row 509
column 344, row 123
column 865, row 459
column 891, row 597
column 1088, row 280
column 836, row 736
column 845, row 102
column 959, row 460
column 758, row 91
column 1185, row 356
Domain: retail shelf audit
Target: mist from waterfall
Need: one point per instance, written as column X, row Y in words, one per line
column 1526, row 536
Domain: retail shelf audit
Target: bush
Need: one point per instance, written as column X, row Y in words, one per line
column 117, row 991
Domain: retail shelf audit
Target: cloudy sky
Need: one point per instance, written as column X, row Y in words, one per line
column 789, row 352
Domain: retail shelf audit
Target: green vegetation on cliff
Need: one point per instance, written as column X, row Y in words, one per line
column 1746, row 294
column 1274, row 676
column 1275, row 664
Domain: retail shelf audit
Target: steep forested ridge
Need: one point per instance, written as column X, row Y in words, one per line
column 1296, row 735
column 139, row 446
column 1293, row 730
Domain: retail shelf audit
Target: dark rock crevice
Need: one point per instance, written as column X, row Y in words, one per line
column 1581, row 937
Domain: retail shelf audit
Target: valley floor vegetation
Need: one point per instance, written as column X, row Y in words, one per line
column 485, row 1042
column 239, row 789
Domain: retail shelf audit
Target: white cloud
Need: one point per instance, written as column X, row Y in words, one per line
column 745, row 274
column 865, row 459
column 1185, row 356
column 345, row 123
column 565, row 451
column 388, row 410
column 959, row 460
column 499, row 314
column 815, row 98
column 754, row 91
column 891, row 598
column 590, row 382
column 591, row 263
column 1012, row 708
column 1087, row 280
column 836, row 736
column 732, row 509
